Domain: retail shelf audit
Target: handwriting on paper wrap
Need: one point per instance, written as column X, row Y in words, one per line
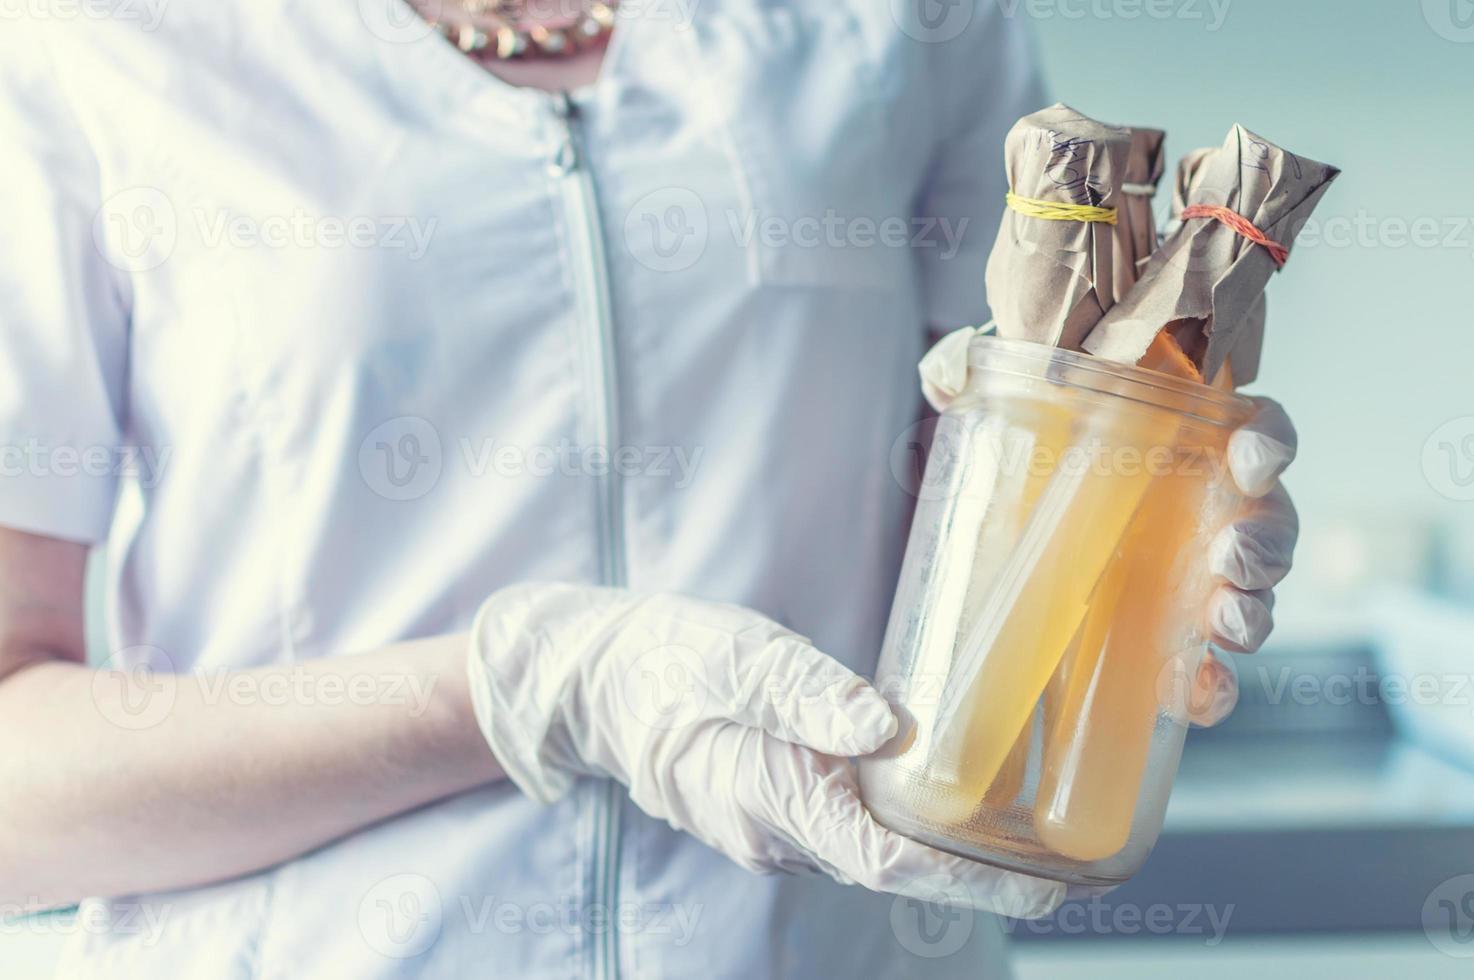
column 1068, row 168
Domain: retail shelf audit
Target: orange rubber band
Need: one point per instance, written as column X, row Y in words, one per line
column 1243, row 226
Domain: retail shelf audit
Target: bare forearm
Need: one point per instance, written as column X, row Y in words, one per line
column 111, row 784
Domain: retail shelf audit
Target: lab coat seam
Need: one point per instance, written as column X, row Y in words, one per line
column 728, row 140
column 755, row 161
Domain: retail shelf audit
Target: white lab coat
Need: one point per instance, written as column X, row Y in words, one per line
column 363, row 334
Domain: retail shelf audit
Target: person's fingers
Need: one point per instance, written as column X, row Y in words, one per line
column 710, row 660
column 830, row 821
column 1256, row 550
column 795, row 692
column 944, row 368
column 1240, row 621
column 1261, row 448
column 1215, row 691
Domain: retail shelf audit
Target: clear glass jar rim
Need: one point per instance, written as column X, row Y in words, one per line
column 1111, row 377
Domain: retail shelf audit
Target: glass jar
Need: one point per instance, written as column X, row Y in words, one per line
column 1050, row 613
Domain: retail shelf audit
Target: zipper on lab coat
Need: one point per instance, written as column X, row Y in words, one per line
column 591, row 281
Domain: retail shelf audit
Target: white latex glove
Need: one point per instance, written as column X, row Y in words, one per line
column 1250, row 556
column 720, row 721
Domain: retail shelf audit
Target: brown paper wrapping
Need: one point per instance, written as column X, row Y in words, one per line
column 1051, row 281
column 1136, row 227
column 1250, row 341
column 1189, row 172
column 1206, row 281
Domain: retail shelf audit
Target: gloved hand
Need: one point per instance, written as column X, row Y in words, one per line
column 1250, row 556
column 720, row 721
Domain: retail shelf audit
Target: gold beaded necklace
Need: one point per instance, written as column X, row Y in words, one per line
column 499, row 29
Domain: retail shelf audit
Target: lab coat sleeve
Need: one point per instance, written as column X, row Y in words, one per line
column 63, row 324
column 982, row 81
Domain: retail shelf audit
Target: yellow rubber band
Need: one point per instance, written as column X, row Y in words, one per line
column 1055, row 211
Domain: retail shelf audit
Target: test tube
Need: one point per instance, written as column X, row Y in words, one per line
column 1041, row 599
column 1097, row 744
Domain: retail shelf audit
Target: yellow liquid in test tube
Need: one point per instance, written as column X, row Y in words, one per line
column 1097, row 744
column 1165, row 356
column 1038, row 430
column 1103, row 704
column 1040, row 601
